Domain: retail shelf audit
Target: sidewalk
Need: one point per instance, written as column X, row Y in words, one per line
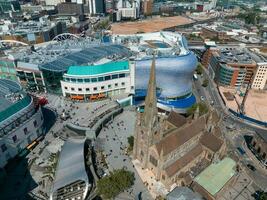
column 155, row 187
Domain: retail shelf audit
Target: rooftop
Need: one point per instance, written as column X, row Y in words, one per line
column 58, row 56
column 98, row 69
column 262, row 134
column 183, row 193
column 71, row 164
column 216, row 175
column 235, row 55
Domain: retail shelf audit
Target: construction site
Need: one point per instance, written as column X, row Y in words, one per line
column 151, row 25
column 254, row 105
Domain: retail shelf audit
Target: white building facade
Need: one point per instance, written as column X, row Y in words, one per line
column 106, row 80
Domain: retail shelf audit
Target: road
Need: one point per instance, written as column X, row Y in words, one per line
column 210, row 93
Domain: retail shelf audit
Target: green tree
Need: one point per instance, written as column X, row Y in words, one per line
column 263, row 196
column 130, row 142
column 112, row 185
column 205, row 83
column 199, row 69
column 203, row 109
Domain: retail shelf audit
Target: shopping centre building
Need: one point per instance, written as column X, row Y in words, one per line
column 20, row 121
column 98, row 81
column 88, row 69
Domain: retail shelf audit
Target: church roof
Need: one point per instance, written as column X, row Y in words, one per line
column 211, row 142
column 180, row 136
column 183, row 161
column 176, row 119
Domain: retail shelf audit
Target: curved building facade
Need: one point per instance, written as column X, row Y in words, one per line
column 71, row 178
column 175, row 66
column 20, row 121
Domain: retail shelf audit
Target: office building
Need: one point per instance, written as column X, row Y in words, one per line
column 96, row 6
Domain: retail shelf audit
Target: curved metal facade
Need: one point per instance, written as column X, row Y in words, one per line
column 173, row 74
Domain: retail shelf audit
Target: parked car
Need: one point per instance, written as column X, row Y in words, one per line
column 202, row 98
column 241, row 150
column 251, row 167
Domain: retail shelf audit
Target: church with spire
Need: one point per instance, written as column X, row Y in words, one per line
column 173, row 147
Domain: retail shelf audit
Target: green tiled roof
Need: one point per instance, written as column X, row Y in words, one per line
column 98, row 69
column 15, row 108
column 214, row 177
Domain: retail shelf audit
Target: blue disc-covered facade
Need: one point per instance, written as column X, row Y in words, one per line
column 174, row 80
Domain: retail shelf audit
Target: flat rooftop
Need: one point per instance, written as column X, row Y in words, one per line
column 98, row 69
column 236, row 55
column 214, row 177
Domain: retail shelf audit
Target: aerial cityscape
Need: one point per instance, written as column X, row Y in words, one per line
column 133, row 99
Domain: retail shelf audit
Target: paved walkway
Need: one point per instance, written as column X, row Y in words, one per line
column 115, row 143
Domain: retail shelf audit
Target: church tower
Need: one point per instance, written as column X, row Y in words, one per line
column 147, row 125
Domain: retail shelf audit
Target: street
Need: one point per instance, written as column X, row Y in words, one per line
column 236, row 140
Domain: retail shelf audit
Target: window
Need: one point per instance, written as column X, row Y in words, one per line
column 35, row 123
column 107, row 78
column 79, row 89
column 87, row 80
column 80, row 80
column 66, row 88
column 100, row 78
column 116, row 84
column 114, row 76
column 95, row 88
column 122, row 83
column 109, row 86
column 14, row 138
column 102, row 87
column 25, row 130
column 72, row 89
column 87, row 89
column 163, row 177
column 94, row 80
column 3, row 147
column 73, row 79
column 121, row 75
column 153, row 161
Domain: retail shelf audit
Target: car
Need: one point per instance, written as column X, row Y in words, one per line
column 212, row 103
column 202, row 98
column 251, row 167
column 241, row 150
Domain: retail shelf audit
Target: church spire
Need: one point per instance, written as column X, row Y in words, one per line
column 150, row 113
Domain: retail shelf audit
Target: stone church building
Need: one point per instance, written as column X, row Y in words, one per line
column 173, row 147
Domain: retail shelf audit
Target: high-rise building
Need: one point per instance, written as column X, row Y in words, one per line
column 9, row 5
column 96, row 6
column 147, row 7
column 109, row 6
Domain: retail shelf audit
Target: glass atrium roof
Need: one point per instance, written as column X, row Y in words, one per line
column 86, row 57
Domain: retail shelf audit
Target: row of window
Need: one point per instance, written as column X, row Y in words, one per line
column 96, row 79
column 15, row 138
column 95, row 88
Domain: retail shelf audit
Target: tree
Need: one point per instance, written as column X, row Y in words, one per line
column 130, row 142
column 205, row 83
column 112, row 185
column 199, row 69
column 263, row 196
column 203, row 109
